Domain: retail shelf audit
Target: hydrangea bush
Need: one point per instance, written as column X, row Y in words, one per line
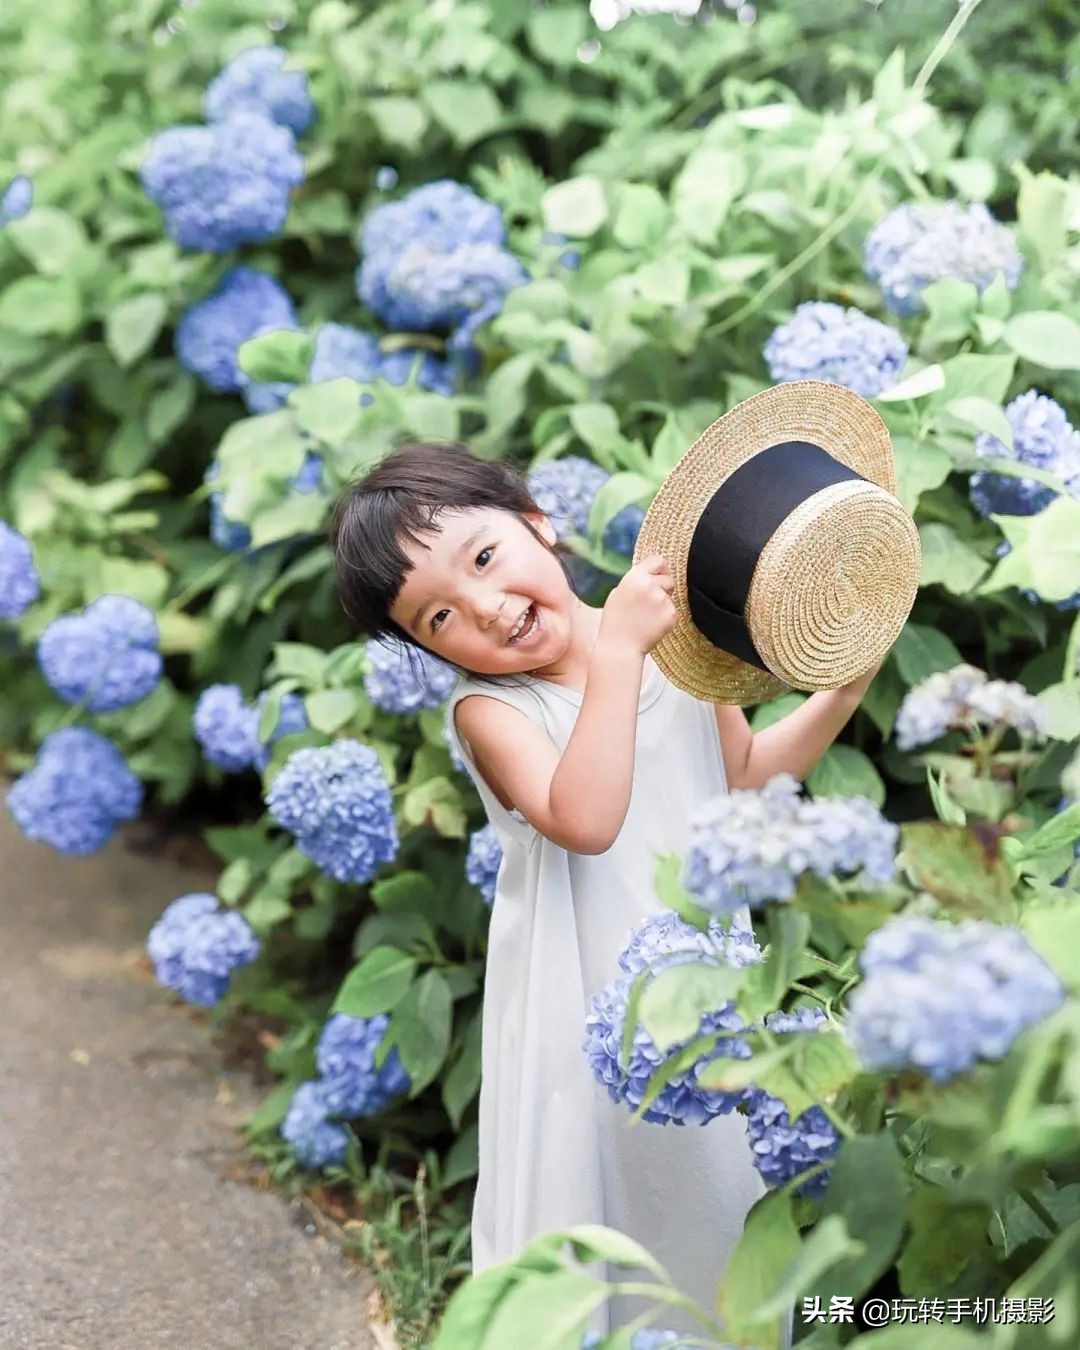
column 218, row 302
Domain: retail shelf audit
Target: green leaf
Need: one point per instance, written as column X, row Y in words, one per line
column 828, row 1245
column 545, row 1311
column 868, row 1191
column 298, row 660
column 921, row 466
column 948, row 561
column 575, row 207
column 400, row 121
column 51, row 240
column 280, row 355
column 468, row 111
column 132, row 326
column 39, row 306
column 1045, row 338
column 556, row 32
column 844, row 771
column 169, row 407
column 420, row 1028
column 1061, row 710
column 961, row 866
column 987, row 377
column 767, row 1248
column 983, row 415
column 299, row 514
column 920, row 385
column 1042, row 207
column 642, row 216
column 1059, row 831
column 377, row 984
column 944, row 1235
column 461, row 1082
column 596, row 423
column 621, row 490
column 1047, row 548
column 675, row 999
column 472, row 1307
column 1054, row 931
column 462, row 1158
column 664, row 281
column 705, row 189
column 329, row 709
column 408, row 891
column 921, row 651
column 329, row 411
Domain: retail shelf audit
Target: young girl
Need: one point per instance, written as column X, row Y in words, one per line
column 589, row 763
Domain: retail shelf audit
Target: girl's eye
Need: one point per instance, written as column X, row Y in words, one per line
column 434, row 618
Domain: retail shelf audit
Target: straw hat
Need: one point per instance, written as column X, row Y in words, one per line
column 795, row 565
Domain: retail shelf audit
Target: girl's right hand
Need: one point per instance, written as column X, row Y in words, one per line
column 640, row 610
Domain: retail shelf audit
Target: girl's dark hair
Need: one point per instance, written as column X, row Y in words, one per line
column 405, row 493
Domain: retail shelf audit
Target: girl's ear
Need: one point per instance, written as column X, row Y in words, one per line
column 542, row 525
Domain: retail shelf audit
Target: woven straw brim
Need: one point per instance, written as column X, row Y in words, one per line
column 834, row 585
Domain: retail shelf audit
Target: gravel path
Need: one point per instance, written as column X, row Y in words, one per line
column 116, row 1229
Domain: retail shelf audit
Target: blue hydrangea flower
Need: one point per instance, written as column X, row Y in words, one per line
column 292, row 718
column 565, row 489
column 917, row 245
column 336, row 801
column 233, row 536
column 16, row 200
column 781, row 1148
column 751, row 847
column 823, row 341
column 1042, row 436
column 435, row 260
column 405, row 679
column 343, row 350
column 318, row 1142
column 226, row 727
column 20, row 584
column 254, row 81
column 799, row 1019
column 1071, row 602
column 483, row 860
column 76, row 793
column 246, row 303
column 682, row 1101
column 107, row 654
column 225, row 184
column 964, row 698
column 938, row 996
column 351, row 1085
column 195, row 947
column 386, row 177
column 666, row 937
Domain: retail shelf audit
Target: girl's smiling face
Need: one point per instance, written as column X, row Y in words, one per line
column 471, row 581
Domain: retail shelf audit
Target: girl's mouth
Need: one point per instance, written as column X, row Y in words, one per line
column 529, row 629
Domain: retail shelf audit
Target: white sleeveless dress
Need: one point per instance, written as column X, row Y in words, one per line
column 554, row 1149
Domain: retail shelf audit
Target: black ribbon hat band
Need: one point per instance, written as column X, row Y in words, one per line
column 741, row 517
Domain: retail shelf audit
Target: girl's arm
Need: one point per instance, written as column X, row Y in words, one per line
column 792, row 745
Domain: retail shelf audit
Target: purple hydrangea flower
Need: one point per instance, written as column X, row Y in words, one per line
column 351, row 1085
column 938, row 996
column 317, row 1141
column 336, row 801
column 405, row 679
column 482, row 862
column 823, row 341
column 750, row 847
column 917, row 245
column 76, row 793
column 964, row 697
column 20, row 584
column 565, row 489
column 195, row 947
column 254, row 81
column 107, row 654
column 225, row 184
column 435, row 260
column 246, row 303
column 1042, row 436
column 16, row 200
column 644, row 1339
